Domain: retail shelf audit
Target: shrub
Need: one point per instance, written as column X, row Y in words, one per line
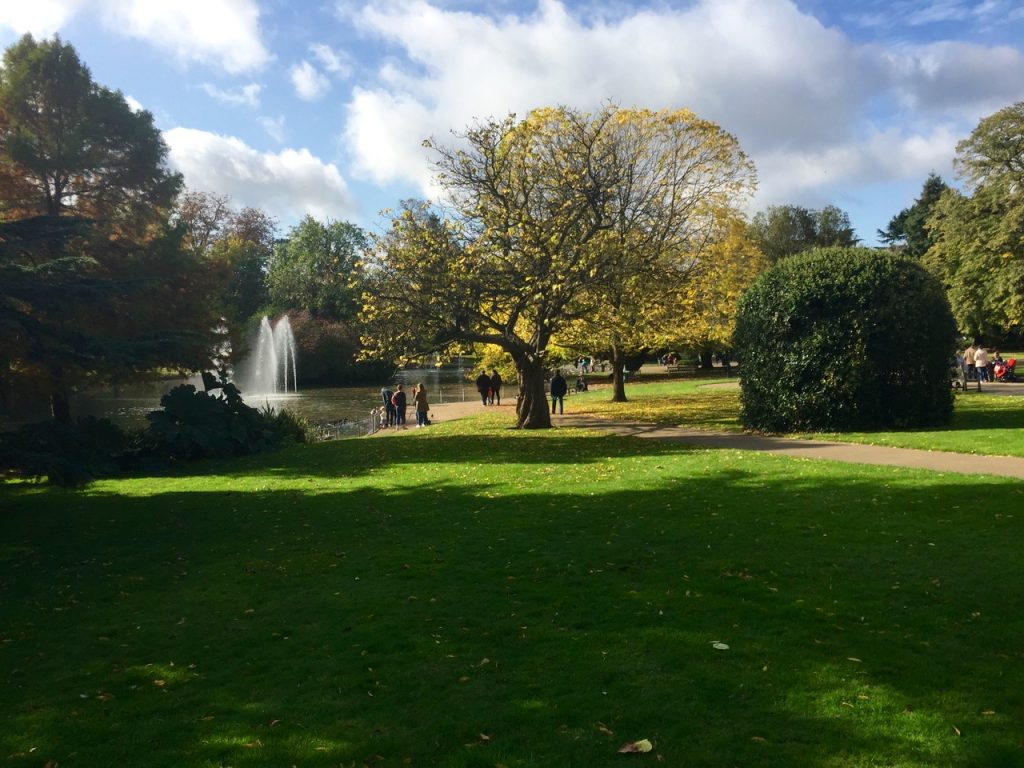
column 844, row 338
column 195, row 425
column 66, row 454
column 192, row 425
column 290, row 426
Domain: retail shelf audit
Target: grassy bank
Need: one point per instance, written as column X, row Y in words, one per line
column 983, row 423
column 469, row 595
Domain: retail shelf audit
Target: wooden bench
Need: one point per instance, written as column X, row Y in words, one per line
column 681, row 368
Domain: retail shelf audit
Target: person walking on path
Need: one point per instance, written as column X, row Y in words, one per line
column 496, row 383
column 422, row 406
column 483, row 383
column 558, row 390
column 389, row 407
column 398, row 400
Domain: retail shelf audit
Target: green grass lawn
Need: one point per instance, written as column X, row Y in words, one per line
column 987, row 424
column 471, row 595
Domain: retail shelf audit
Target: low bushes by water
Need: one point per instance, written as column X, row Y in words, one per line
column 191, row 425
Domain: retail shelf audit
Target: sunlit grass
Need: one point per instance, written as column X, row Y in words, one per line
column 472, row 595
column 688, row 403
column 983, row 423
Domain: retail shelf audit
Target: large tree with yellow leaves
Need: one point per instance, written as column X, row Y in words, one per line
column 556, row 219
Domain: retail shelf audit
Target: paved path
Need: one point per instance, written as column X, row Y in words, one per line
column 853, row 453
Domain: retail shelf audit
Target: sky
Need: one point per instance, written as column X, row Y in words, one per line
column 322, row 106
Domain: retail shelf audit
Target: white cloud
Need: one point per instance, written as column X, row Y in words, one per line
column 310, row 83
column 222, row 33
column 814, row 109
column 133, row 104
column 760, row 69
column 385, row 134
column 274, row 126
column 41, row 17
column 286, row 184
column 336, row 62
column 244, row 95
column 793, row 174
column 964, row 78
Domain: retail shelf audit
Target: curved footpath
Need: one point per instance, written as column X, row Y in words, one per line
column 852, row 453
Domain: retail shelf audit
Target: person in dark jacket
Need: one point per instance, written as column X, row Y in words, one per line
column 496, row 383
column 399, row 401
column 483, row 384
column 389, row 408
column 558, row 390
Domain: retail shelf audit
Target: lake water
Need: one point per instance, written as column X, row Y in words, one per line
column 347, row 407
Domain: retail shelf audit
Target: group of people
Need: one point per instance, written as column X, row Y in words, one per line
column 976, row 363
column 489, row 387
column 396, row 402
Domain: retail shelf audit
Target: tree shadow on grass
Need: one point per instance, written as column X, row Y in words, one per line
column 460, row 624
column 359, row 456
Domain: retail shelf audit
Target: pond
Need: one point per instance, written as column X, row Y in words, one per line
column 348, row 408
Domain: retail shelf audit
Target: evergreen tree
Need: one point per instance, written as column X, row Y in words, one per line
column 100, row 288
column 908, row 229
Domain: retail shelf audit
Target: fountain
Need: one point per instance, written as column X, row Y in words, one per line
column 270, row 368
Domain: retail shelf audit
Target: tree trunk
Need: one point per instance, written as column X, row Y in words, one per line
column 532, row 404
column 60, row 407
column 618, row 375
column 705, row 359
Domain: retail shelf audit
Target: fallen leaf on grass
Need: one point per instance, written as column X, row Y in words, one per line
column 636, row 747
column 605, row 729
column 757, row 738
column 720, row 646
column 956, row 730
column 853, row 659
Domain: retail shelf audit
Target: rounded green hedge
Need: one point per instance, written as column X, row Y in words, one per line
column 843, row 339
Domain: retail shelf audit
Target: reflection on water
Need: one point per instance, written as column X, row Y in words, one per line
column 129, row 405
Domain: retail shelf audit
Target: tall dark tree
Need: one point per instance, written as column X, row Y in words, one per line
column 978, row 248
column 117, row 294
column 785, row 230
column 908, row 230
column 318, row 268
column 247, row 246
